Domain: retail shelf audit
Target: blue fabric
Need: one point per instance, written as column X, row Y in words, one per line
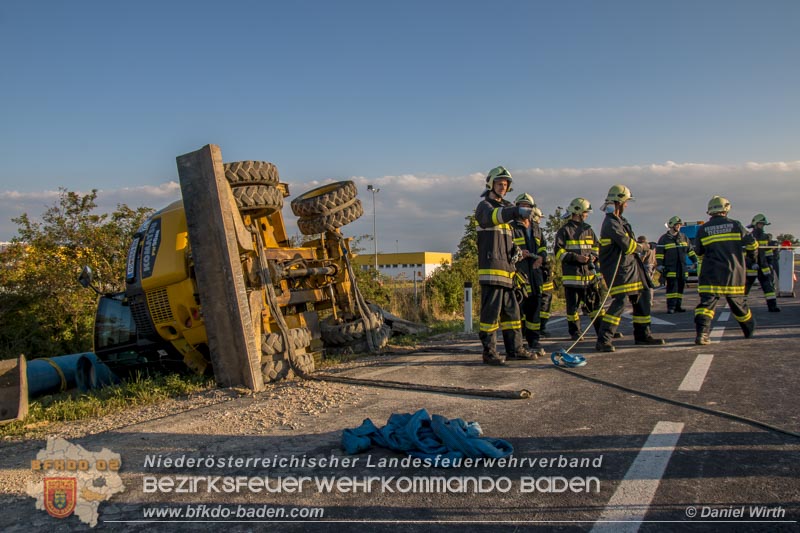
column 421, row 435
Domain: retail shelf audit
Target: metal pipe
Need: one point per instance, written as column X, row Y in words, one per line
column 314, row 271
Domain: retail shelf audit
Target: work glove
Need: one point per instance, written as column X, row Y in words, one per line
column 524, row 212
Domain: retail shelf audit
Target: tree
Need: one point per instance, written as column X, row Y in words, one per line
column 445, row 287
column 551, row 226
column 468, row 246
column 43, row 309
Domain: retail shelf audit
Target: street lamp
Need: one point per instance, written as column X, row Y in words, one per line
column 373, row 190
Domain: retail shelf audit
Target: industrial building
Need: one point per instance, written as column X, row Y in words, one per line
column 405, row 265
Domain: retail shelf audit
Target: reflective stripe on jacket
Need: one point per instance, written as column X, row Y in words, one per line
column 617, row 243
column 719, row 244
column 763, row 256
column 573, row 239
column 497, row 252
column 535, row 246
column 671, row 252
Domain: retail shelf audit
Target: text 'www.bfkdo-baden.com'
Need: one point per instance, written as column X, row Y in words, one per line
column 205, row 512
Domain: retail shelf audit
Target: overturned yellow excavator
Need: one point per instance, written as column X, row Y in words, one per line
column 301, row 299
column 213, row 284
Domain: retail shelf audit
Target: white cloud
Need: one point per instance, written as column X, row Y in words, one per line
column 427, row 211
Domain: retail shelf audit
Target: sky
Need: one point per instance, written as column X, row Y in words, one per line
column 678, row 100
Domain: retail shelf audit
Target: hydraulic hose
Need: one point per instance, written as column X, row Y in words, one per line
column 272, row 301
column 522, row 394
column 715, row 412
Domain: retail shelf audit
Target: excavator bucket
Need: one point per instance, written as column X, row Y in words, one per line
column 13, row 390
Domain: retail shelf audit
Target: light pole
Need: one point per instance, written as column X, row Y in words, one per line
column 374, row 232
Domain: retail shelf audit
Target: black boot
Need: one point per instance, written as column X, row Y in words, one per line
column 534, row 346
column 772, row 306
column 512, row 339
column 650, row 341
column 489, row 342
column 604, row 336
column 521, row 354
column 641, row 336
column 601, row 346
column 493, row 360
column 702, row 339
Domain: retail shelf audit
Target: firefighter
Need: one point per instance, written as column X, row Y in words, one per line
column 648, row 256
column 671, row 252
column 497, row 255
column 528, row 236
column 719, row 243
column 624, row 271
column 576, row 246
column 547, row 282
column 760, row 268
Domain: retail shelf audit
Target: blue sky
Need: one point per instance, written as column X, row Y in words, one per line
column 680, row 100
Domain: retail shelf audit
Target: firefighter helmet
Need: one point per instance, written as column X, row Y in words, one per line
column 718, row 205
column 525, row 198
column 673, row 221
column 579, row 206
column 619, row 193
column 498, row 173
column 760, row 218
column 536, row 214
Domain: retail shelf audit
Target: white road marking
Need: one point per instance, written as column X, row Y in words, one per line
column 716, row 333
column 653, row 319
column 697, row 373
column 719, row 330
column 628, row 506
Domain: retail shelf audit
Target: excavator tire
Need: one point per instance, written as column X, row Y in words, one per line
column 337, row 218
column 274, row 367
column 274, row 358
column 304, row 362
column 250, row 198
column 380, row 338
column 348, row 332
column 324, row 200
column 251, row 173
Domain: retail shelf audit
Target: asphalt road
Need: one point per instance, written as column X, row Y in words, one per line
column 652, row 462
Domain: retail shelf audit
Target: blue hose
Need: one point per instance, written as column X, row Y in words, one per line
column 47, row 375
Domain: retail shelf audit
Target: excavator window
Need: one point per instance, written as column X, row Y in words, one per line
column 114, row 326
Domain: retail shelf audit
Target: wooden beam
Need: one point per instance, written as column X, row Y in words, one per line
column 220, row 280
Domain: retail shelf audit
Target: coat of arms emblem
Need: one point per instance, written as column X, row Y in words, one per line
column 60, row 496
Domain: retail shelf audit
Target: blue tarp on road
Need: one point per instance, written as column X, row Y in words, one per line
column 425, row 436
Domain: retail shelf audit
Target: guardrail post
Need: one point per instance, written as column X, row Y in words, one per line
column 467, row 307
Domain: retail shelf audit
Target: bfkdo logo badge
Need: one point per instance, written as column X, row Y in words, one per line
column 60, row 496
column 69, row 480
